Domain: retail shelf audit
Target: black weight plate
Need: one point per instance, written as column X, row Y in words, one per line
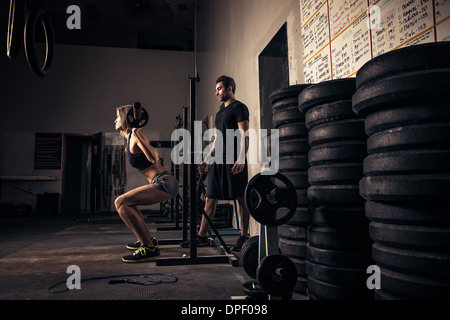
column 412, row 237
column 413, row 261
column 337, row 131
column 335, row 195
column 345, row 239
column 351, row 277
column 285, row 116
column 418, row 57
column 328, row 112
column 300, row 265
column 294, row 162
column 337, row 152
column 292, row 248
column 293, row 130
column 301, row 217
column 413, row 188
column 349, row 217
column 287, row 92
column 411, row 161
column 249, row 256
column 339, row 258
column 419, row 136
column 302, row 198
column 335, row 174
column 325, row 92
column 254, row 290
column 400, row 89
column 321, row 290
column 295, row 233
column 274, row 283
column 413, row 112
column 293, row 146
column 302, row 285
column 408, row 213
column 413, row 286
column 299, row 179
column 284, row 103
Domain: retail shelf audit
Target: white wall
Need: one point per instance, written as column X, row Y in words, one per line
column 231, row 35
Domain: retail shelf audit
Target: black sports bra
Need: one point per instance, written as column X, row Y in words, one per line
column 138, row 161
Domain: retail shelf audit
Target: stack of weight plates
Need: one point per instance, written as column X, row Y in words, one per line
column 338, row 250
column 404, row 96
column 293, row 163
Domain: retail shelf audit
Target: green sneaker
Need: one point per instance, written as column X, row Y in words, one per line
column 136, row 245
column 143, row 254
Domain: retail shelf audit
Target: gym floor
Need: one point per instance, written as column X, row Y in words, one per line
column 36, row 251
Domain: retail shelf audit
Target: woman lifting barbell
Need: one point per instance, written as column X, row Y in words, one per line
column 163, row 187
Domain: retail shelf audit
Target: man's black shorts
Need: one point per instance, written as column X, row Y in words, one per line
column 223, row 185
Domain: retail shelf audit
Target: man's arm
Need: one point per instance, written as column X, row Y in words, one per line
column 244, row 143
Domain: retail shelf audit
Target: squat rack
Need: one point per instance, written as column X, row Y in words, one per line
column 195, row 204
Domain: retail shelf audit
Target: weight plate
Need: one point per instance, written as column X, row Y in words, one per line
column 301, row 217
column 292, row 248
column 293, row 131
column 429, row 85
column 293, row 146
column 339, row 258
column 295, row 233
column 271, row 200
column 412, row 237
column 405, row 162
column 300, row 265
column 351, row 277
column 284, row 103
column 287, row 92
column 414, row 286
column 321, row 290
column 302, row 198
column 337, row 152
column 335, row 195
column 254, row 290
column 285, row 116
column 408, row 213
column 302, row 285
column 137, row 123
column 418, row 57
column 412, row 261
column 296, row 162
column 335, row 174
column 412, row 188
column 249, row 256
column 337, row 131
column 381, row 294
column 349, row 217
column 325, row 92
column 277, row 275
column 418, row 136
column 328, row 112
column 299, row 179
column 345, row 239
column 413, row 112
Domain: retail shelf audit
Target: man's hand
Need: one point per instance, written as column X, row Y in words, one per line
column 237, row 168
column 202, row 167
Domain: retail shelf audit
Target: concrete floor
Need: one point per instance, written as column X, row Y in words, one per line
column 35, row 252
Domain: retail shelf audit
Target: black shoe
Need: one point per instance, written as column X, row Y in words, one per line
column 240, row 241
column 201, row 242
column 143, row 254
column 136, row 245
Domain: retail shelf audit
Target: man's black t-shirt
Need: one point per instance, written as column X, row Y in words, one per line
column 222, row 184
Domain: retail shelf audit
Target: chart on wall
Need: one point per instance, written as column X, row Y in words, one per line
column 340, row 36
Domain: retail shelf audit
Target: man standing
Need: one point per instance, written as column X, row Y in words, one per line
column 227, row 180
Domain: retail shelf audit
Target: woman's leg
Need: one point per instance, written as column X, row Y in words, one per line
column 130, row 214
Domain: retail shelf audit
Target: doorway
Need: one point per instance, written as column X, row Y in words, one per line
column 81, row 166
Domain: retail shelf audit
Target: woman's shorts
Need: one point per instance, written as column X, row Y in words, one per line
column 167, row 183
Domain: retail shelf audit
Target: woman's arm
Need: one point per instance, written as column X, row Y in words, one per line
column 144, row 145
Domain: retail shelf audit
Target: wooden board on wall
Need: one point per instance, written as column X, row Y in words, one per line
column 340, row 36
